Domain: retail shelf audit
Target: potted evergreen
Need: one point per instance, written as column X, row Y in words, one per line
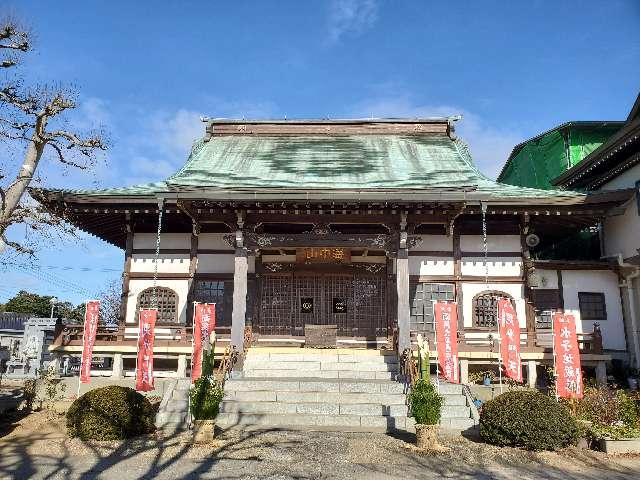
column 205, row 397
column 426, row 407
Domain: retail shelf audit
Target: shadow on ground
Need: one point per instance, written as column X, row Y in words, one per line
column 45, row 452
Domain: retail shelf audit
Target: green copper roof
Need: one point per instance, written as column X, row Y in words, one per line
column 363, row 163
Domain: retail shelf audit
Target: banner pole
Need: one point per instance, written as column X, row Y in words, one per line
column 499, row 347
column 193, row 331
column 435, row 339
column 553, row 345
column 135, row 372
column 82, row 354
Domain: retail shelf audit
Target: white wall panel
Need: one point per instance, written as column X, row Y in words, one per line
column 166, row 263
column 495, row 243
column 430, row 266
column 603, row 281
column 435, row 242
column 136, row 286
column 167, row 240
column 213, row 241
column 470, row 290
column 498, row 266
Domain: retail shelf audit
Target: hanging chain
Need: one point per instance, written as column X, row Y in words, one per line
column 154, row 300
column 484, row 243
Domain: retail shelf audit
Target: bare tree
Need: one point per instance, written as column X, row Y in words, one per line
column 33, row 118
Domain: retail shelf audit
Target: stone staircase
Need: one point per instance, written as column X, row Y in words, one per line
column 173, row 413
column 333, row 390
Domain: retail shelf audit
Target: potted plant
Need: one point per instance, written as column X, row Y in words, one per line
column 488, row 376
column 426, row 407
column 204, row 401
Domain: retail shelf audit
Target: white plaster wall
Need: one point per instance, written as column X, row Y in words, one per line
column 622, row 232
column 547, row 279
column 498, row 266
column 166, row 263
column 136, row 286
column 220, row 263
column 495, row 243
column 626, row 179
column 605, row 281
column 470, row 290
column 435, row 242
column 167, row 240
column 214, row 241
column 424, row 265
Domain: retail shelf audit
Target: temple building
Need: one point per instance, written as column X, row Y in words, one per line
column 353, row 225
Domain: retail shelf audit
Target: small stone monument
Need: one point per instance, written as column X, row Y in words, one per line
column 33, row 354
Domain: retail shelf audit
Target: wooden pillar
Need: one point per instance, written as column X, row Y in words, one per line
column 181, row 372
column 464, row 371
column 532, row 373
column 239, row 310
column 117, row 369
column 124, row 296
column 402, row 286
column 193, row 266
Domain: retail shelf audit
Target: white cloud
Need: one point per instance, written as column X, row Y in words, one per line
column 490, row 145
column 350, row 17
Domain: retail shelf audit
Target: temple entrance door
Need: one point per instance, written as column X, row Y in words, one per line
column 355, row 302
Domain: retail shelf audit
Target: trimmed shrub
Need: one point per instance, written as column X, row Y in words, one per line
column 110, row 413
column 206, row 396
column 527, row 419
column 426, row 404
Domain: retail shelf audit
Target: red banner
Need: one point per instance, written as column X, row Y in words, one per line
column 204, row 321
column 91, row 318
column 144, row 367
column 509, row 339
column 446, row 316
column 567, row 353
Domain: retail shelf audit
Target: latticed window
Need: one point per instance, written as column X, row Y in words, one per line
column 592, row 306
column 485, row 308
column 212, row 291
column 421, row 296
column 167, row 304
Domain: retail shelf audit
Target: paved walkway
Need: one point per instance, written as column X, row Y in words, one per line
column 42, row 451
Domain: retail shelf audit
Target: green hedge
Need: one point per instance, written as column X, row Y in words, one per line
column 110, row 413
column 527, row 419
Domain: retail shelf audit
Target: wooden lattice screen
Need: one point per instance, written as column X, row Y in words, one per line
column 167, row 304
column 485, row 308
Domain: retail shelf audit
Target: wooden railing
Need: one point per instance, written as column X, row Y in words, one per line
column 540, row 340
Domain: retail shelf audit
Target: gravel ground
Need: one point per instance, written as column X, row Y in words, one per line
column 36, row 447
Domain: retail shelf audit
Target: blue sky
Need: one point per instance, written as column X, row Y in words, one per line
column 148, row 70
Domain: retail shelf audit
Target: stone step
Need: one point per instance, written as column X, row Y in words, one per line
column 341, row 423
column 456, row 423
column 180, row 395
column 455, row 411
column 320, row 408
column 314, row 385
column 381, row 375
column 165, row 418
column 445, row 388
column 299, row 355
column 315, row 366
column 316, row 397
column 183, row 384
column 177, row 406
column 455, row 400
